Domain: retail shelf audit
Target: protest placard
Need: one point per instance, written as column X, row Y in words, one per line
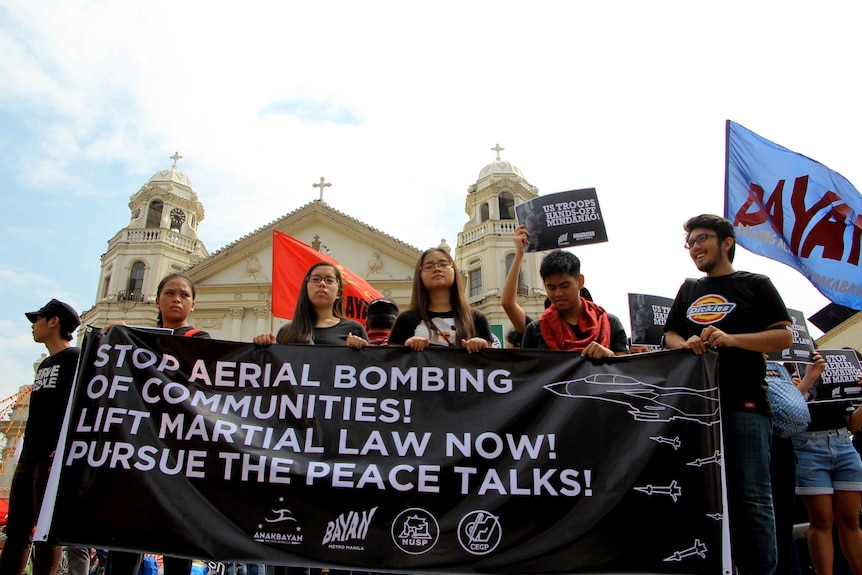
column 648, row 314
column 561, row 220
column 803, row 345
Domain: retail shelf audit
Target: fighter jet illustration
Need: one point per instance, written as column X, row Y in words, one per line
column 646, row 402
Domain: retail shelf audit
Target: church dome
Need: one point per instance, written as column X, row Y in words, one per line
column 170, row 175
column 500, row 167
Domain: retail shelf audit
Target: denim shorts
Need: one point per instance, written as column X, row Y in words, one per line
column 826, row 461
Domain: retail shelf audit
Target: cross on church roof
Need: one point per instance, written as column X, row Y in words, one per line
column 175, row 157
column 321, row 185
column 497, row 149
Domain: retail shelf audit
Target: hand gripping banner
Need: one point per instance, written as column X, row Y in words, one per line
column 503, row 461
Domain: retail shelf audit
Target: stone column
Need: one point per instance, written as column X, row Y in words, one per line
column 261, row 312
column 236, row 314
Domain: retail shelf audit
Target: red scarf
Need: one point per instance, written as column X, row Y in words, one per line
column 593, row 323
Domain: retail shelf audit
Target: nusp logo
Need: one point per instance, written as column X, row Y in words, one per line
column 415, row 531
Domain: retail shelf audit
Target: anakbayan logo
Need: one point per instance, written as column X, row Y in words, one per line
column 289, row 533
column 709, row 309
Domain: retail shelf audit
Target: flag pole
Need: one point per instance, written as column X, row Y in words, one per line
column 727, row 170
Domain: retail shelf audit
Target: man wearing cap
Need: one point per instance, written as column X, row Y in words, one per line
column 381, row 317
column 53, row 326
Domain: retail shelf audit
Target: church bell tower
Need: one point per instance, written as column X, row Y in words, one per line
column 485, row 248
column 161, row 238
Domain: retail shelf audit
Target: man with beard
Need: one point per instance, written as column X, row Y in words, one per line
column 741, row 316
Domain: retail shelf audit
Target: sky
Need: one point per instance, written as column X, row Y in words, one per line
column 398, row 105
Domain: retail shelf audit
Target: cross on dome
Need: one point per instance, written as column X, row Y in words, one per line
column 497, row 149
column 175, row 157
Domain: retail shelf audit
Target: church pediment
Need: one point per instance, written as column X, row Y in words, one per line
column 367, row 252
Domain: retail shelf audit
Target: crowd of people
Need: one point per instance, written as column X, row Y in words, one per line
column 755, row 322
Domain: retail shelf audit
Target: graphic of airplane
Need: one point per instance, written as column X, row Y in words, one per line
column 675, row 442
column 701, row 461
column 674, row 490
column 646, row 402
column 697, row 549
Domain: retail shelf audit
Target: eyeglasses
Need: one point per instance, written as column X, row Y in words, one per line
column 431, row 266
column 328, row 280
column 690, row 243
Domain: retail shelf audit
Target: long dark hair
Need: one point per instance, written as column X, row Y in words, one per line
column 301, row 327
column 461, row 311
column 160, row 320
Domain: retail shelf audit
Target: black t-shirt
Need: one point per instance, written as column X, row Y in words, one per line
column 410, row 323
column 533, row 338
column 51, row 391
column 335, row 335
column 741, row 302
column 187, row 328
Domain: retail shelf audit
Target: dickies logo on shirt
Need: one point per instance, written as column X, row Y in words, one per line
column 709, row 309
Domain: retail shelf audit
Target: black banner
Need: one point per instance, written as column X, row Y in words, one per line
column 524, row 461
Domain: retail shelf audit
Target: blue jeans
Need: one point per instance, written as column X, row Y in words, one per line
column 749, row 491
column 827, row 462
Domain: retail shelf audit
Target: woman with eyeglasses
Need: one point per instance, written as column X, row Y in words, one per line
column 319, row 315
column 439, row 314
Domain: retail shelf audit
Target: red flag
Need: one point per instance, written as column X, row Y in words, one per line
column 290, row 261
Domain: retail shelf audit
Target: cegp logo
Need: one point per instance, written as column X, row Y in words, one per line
column 479, row 532
column 415, row 531
column 709, row 309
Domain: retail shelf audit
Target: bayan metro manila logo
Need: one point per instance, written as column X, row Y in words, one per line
column 709, row 309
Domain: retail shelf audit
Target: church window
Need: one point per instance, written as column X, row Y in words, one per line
column 154, row 214
column 484, row 212
column 507, row 206
column 107, row 286
column 136, row 282
column 475, row 278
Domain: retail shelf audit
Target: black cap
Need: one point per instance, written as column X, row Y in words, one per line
column 69, row 319
column 382, row 306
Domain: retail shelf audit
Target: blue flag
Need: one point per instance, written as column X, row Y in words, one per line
column 792, row 209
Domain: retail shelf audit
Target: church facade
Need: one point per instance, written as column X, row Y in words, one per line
column 234, row 284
